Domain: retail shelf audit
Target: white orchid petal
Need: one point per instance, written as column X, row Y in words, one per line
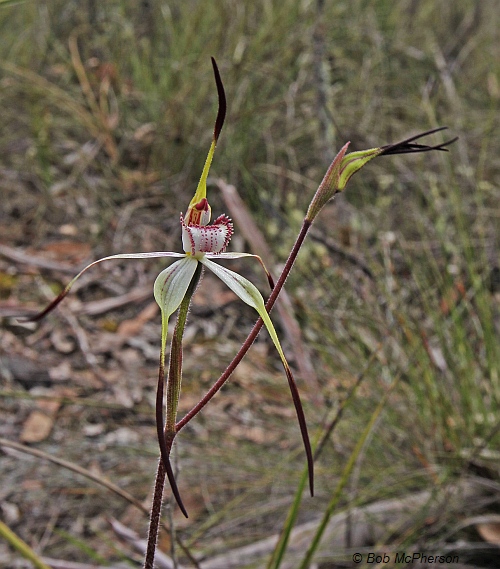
column 249, row 294
column 128, row 256
column 236, row 255
column 172, row 283
column 229, row 255
column 152, row 255
column 68, row 287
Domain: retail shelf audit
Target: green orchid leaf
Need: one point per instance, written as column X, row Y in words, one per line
column 249, row 294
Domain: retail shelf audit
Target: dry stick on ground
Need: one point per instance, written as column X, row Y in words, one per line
column 91, row 476
column 95, row 307
column 162, row 561
column 75, row 468
column 369, row 524
column 20, row 256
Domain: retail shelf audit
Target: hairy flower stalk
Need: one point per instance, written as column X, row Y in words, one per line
column 166, row 430
column 203, row 243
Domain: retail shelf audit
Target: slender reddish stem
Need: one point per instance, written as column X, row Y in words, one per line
column 254, row 332
column 154, row 521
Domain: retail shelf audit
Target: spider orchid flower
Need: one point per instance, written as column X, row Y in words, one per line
column 202, row 243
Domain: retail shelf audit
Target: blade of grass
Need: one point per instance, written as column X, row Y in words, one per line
column 21, row 546
column 75, row 468
column 318, row 446
column 91, row 476
column 345, row 476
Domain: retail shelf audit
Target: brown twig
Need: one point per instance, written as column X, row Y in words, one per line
column 75, row 468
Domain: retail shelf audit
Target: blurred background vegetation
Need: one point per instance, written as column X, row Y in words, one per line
column 107, row 116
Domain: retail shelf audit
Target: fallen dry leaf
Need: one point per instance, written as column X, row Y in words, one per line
column 490, row 531
column 49, row 407
column 36, row 428
column 133, row 326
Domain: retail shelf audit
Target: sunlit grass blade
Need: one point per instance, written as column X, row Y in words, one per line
column 21, row 546
column 319, row 444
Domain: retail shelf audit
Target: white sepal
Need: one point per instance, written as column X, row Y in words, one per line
column 249, row 294
column 172, row 283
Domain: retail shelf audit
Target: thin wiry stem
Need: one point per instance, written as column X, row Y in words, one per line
column 166, row 435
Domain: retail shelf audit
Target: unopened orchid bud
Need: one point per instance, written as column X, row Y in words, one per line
column 344, row 166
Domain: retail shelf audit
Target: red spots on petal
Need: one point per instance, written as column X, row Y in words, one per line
column 207, row 238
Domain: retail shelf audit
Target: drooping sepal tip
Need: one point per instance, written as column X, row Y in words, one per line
column 161, row 436
column 37, row 317
column 270, row 280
